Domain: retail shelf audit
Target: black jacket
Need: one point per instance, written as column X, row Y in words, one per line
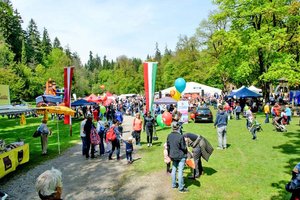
column 176, row 146
column 198, row 141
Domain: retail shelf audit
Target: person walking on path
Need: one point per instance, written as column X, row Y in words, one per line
column 137, row 128
column 115, row 143
column 267, row 112
column 83, row 135
column 178, row 154
column 149, row 126
column 221, row 124
column 87, row 129
column 128, row 149
column 101, row 131
column 201, row 148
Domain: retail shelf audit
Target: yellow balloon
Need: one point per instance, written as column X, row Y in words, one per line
column 176, row 96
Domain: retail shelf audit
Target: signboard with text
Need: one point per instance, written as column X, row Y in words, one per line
column 183, row 107
column 4, row 95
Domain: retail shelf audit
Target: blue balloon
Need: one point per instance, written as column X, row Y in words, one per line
column 180, row 84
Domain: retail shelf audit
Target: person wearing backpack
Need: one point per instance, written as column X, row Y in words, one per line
column 114, row 135
column 100, row 130
column 87, row 129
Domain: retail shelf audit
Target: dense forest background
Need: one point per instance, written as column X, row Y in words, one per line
column 243, row 42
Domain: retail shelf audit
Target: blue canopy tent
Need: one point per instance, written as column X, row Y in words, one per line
column 244, row 93
column 48, row 99
column 81, row 102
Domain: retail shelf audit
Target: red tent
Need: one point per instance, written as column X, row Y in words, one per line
column 93, row 98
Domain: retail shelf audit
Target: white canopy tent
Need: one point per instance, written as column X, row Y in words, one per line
column 193, row 87
column 255, row 89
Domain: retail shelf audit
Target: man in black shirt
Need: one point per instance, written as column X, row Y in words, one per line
column 177, row 151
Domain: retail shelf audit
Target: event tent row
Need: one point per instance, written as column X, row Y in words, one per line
column 244, row 92
column 193, row 87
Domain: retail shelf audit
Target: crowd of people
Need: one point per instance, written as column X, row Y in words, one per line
column 179, row 145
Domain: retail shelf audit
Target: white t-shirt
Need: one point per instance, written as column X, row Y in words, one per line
column 82, row 134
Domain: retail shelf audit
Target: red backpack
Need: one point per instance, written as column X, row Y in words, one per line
column 111, row 135
column 95, row 138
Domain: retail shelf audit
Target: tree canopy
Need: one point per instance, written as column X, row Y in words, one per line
column 242, row 42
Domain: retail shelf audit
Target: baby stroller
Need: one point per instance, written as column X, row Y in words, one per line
column 279, row 124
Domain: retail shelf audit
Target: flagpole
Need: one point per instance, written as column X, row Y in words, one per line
column 58, row 142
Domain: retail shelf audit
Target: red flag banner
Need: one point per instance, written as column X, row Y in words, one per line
column 68, row 74
column 150, row 69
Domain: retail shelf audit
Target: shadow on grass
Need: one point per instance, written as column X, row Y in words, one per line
column 194, row 182
column 209, row 171
column 290, row 148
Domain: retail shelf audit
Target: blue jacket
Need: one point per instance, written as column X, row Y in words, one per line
column 221, row 119
column 119, row 116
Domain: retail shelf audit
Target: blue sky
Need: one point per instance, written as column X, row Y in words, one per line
column 115, row 27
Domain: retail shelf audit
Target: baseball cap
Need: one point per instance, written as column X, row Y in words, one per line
column 175, row 125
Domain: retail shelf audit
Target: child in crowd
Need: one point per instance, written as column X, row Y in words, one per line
column 129, row 149
column 255, row 126
column 167, row 159
column 108, row 143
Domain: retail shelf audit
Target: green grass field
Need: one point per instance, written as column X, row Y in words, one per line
column 246, row 170
column 11, row 131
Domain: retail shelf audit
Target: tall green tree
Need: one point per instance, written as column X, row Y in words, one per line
column 33, row 41
column 46, row 43
column 259, row 41
column 56, row 44
column 11, row 29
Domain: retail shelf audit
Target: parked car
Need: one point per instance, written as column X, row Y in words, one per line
column 203, row 115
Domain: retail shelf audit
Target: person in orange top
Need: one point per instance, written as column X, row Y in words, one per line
column 276, row 110
column 137, row 128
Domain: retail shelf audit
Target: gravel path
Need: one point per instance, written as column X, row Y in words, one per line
column 94, row 178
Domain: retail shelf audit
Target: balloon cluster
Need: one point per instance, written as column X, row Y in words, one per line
column 165, row 119
column 180, row 85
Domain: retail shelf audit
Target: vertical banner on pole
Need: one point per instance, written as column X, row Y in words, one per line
column 68, row 74
column 150, row 69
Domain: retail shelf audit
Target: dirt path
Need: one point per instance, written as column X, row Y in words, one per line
column 95, row 179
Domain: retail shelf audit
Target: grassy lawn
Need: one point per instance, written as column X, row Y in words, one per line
column 11, row 131
column 246, row 170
